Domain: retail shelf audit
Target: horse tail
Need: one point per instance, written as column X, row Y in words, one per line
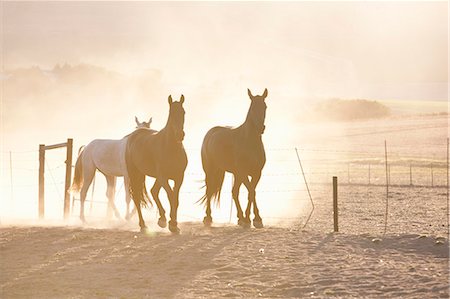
column 133, row 189
column 213, row 175
column 78, row 176
column 146, row 197
column 137, row 179
column 213, row 183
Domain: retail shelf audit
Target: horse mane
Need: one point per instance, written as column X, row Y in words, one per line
column 141, row 130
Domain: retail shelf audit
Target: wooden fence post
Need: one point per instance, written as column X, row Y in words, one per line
column 410, row 174
column 389, row 174
column 11, row 175
column 42, row 149
column 348, row 173
column 335, row 204
column 387, row 188
column 41, row 180
column 432, row 175
column 448, row 202
column 68, row 178
column 307, row 188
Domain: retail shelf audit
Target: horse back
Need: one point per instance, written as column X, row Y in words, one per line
column 107, row 155
column 228, row 149
column 149, row 154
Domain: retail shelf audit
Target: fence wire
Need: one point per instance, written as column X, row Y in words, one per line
column 418, row 188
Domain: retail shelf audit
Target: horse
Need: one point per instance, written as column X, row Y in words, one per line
column 108, row 156
column 144, row 124
column 239, row 151
column 162, row 156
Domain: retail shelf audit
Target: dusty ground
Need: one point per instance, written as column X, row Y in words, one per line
column 283, row 260
column 225, row 261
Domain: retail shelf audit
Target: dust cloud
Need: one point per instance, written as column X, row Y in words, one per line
column 85, row 70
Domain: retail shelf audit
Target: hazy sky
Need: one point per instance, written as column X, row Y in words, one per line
column 379, row 50
column 211, row 52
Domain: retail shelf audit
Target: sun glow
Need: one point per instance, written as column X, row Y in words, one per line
column 129, row 63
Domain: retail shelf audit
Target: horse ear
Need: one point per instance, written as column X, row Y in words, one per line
column 170, row 99
column 150, row 120
column 265, row 93
column 182, row 99
column 136, row 120
column 249, row 93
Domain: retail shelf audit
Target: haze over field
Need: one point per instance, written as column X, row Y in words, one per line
column 356, row 90
column 85, row 69
column 350, row 50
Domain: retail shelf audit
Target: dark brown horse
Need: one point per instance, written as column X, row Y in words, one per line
column 160, row 155
column 239, row 151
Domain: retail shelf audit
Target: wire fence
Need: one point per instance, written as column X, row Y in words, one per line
column 418, row 188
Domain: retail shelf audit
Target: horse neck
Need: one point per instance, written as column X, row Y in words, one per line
column 248, row 130
column 247, row 118
column 169, row 135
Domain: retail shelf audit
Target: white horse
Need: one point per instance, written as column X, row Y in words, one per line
column 108, row 156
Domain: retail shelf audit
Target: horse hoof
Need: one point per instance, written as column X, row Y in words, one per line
column 257, row 223
column 207, row 221
column 244, row 223
column 144, row 229
column 162, row 222
column 174, row 229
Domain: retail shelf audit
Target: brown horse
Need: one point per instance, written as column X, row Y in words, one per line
column 160, row 155
column 239, row 151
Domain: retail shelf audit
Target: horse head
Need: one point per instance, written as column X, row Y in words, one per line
column 176, row 118
column 257, row 112
column 145, row 125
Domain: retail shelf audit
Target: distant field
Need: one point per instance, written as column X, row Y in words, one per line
column 290, row 257
column 353, row 110
column 415, row 107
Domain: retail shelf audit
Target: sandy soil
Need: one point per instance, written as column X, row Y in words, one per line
column 283, row 260
column 224, row 261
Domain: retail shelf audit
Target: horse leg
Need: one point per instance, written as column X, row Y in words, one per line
column 235, row 194
column 88, row 176
column 207, row 220
column 251, row 196
column 126, row 183
column 209, row 194
column 257, row 221
column 110, row 194
column 162, row 221
column 173, row 225
column 137, row 185
column 82, row 200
